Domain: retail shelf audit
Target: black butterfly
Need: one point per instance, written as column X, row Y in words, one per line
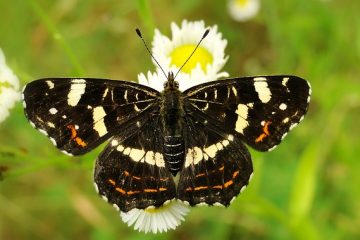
column 171, row 144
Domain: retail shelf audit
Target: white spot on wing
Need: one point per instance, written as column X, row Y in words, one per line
column 159, row 160
column 283, row 106
column 99, row 124
column 139, row 155
column 116, row 207
column 241, row 122
column 284, row 81
column 53, row 141
column 218, row 204
column 114, row 142
column 125, row 95
column 292, row 126
column 43, row 132
column 127, row 151
column 105, row 198
column 50, row 84
column 67, row 153
column 272, row 148
column 250, row 105
column 234, row 91
column 77, row 89
column 206, row 107
column 120, row 148
column 195, row 155
column 53, row 110
column 96, row 187
column 136, row 154
column 261, row 87
column 136, row 108
column 50, row 124
column 211, row 150
column 105, row 93
column 251, row 176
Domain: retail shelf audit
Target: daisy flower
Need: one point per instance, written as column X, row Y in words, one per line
column 157, row 79
column 243, row 10
column 9, row 88
column 155, row 220
column 206, row 63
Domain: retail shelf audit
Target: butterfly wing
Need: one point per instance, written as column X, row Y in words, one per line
column 259, row 110
column 79, row 114
column 217, row 165
column 130, row 172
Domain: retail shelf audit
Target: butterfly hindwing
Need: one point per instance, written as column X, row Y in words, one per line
column 131, row 172
column 217, row 165
column 259, row 110
column 79, row 114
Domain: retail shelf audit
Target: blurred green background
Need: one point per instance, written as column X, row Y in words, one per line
column 308, row 188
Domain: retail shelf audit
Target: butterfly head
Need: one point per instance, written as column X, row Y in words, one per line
column 171, row 83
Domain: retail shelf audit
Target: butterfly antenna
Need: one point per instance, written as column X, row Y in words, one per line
column 202, row 38
column 147, row 48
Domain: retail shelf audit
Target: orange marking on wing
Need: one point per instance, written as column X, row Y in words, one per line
column 136, row 177
column 164, row 179
column 126, row 173
column 265, row 132
column 74, row 136
column 188, row 189
column 235, row 174
column 132, row 192
column 120, row 190
column 150, row 190
column 218, row 186
column 80, row 142
column 228, row 183
column 200, row 175
column 112, row 182
column 222, row 168
column 200, row 188
column 162, row 189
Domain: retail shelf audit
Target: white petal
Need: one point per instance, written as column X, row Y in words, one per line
column 155, row 220
column 9, row 88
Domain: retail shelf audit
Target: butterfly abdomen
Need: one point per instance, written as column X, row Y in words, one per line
column 174, row 153
column 172, row 114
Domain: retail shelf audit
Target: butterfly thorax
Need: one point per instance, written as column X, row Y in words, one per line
column 172, row 115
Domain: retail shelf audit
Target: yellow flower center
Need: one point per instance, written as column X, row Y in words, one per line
column 181, row 53
column 242, row 3
column 157, row 209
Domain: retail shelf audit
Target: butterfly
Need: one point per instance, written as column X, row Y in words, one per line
column 168, row 145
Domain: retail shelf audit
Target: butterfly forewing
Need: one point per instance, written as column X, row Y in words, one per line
column 79, row 114
column 260, row 110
